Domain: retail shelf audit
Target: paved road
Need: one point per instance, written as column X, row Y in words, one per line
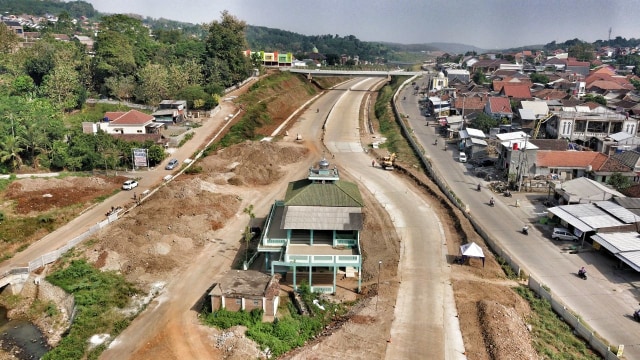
column 425, row 325
column 605, row 301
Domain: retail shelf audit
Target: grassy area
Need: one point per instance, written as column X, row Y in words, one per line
column 99, row 298
column 552, row 337
column 288, row 331
column 389, row 128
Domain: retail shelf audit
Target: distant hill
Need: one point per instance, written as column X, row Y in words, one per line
column 453, row 48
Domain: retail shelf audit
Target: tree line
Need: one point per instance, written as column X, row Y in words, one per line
column 44, row 85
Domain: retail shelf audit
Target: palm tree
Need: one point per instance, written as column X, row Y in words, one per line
column 10, row 150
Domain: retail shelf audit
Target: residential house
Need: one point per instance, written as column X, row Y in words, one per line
column 473, row 143
column 468, row 104
column 486, row 66
column 517, row 154
column 498, row 107
column 631, row 159
column 516, row 91
column 582, row 190
column 246, row 290
column 568, row 165
column 458, row 74
column 315, row 231
column 171, row 111
column 128, row 123
column 586, row 126
column 533, row 112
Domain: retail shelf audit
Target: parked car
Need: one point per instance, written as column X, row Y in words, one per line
column 563, row 234
column 462, row 157
column 129, row 185
column 172, row 164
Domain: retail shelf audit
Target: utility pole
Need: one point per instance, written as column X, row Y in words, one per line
column 378, row 289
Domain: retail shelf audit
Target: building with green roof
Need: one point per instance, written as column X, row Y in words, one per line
column 315, row 230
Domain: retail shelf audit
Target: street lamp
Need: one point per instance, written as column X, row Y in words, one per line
column 378, row 289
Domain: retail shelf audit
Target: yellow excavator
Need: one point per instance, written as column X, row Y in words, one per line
column 388, row 162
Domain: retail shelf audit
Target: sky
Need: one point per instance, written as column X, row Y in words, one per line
column 487, row 24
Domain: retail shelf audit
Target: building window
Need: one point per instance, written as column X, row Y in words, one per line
column 139, row 131
column 238, row 301
column 256, row 302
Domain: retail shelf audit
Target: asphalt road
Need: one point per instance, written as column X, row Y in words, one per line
column 424, row 323
column 605, row 302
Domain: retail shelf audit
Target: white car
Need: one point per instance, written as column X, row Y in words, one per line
column 462, row 157
column 129, row 185
column 563, row 234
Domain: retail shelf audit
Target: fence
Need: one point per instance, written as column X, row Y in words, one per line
column 581, row 329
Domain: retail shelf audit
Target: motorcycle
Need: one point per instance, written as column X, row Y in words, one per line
column 525, row 230
column 479, row 188
column 317, row 110
column 492, row 202
column 636, row 315
column 582, row 274
column 507, row 193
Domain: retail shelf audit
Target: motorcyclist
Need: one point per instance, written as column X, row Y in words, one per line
column 436, row 143
column 491, row 201
column 318, row 110
column 507, row 193
column 479, row 187
column 525, row 229
column 582, row 272
column 636, row 315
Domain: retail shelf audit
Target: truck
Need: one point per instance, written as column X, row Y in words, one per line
column 388, row 162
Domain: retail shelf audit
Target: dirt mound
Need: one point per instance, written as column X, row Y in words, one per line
column 505, row 333
column 252, row 163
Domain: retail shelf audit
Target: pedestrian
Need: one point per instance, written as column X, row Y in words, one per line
column 134, row 195
column 373, row 163
column 517, row 203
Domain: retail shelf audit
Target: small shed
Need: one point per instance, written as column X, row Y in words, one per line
column 246, row 290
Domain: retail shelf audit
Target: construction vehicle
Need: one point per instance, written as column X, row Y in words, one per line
column 539, row 123
column 388, row 162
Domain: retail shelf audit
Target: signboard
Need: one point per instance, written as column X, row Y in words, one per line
column 140, row 157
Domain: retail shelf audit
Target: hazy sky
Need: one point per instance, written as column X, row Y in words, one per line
column 488, row 24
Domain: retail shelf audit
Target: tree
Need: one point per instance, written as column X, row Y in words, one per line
column 8, row 39
column 479, row 77
column 484, row 122
column 121, row 86
column 225, row 45
column 22, row 85
column 619, row 181
column 153, row 84
column 595, row 98
column 10, row 149
column 62, row 86
column 539, row 78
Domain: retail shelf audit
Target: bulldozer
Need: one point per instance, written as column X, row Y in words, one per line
column 388, row 162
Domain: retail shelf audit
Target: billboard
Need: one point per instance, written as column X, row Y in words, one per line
column 140, row 157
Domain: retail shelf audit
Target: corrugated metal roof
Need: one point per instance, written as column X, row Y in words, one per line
column 618, row 211
column 527, row 114
column 631, row 258
column 477, row 133
column 625, row 246
column 619, row 136
column 585, row 217
column 322, row 218
column 619, row 241
column 575, row 222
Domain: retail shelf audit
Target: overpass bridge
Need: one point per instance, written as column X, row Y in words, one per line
column 310, row 73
